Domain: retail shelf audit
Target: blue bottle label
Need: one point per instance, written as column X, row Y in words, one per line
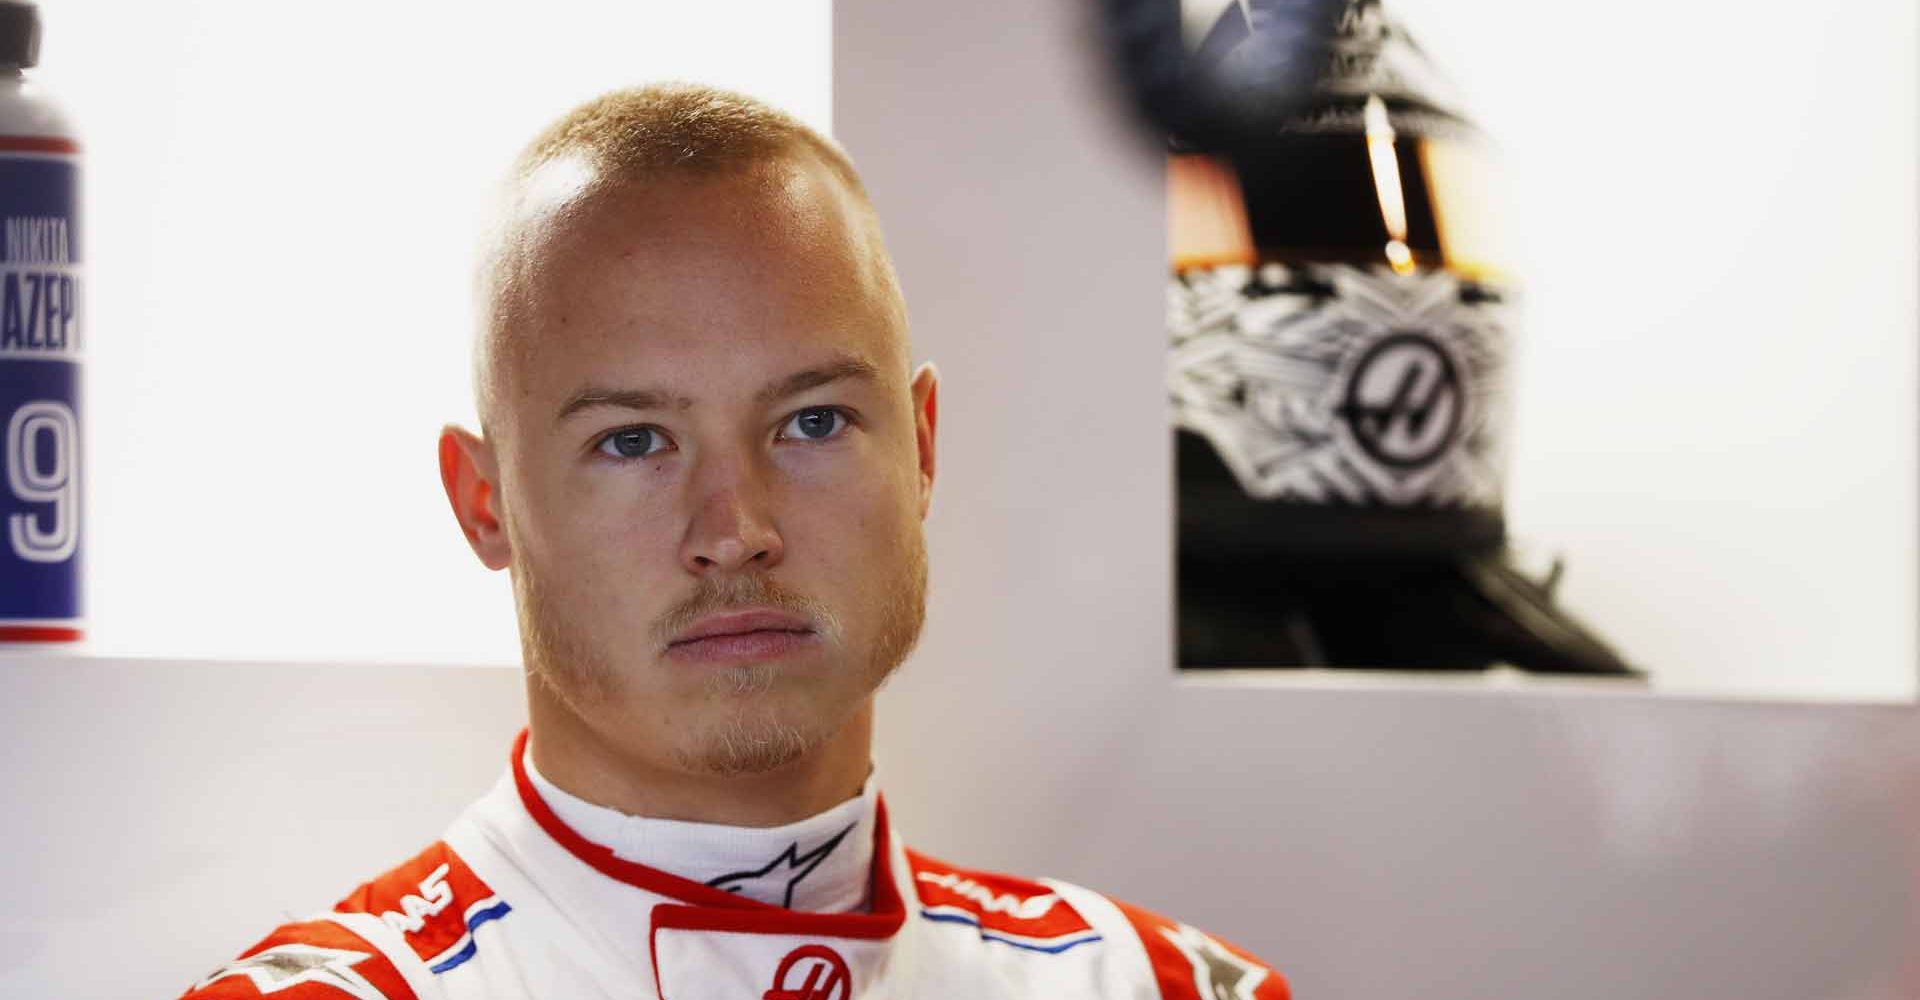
column 40, row 354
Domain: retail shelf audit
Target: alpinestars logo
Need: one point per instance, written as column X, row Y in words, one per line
column 1217, row 973
column 811, row 972
column 791, row 864
column 286, row 966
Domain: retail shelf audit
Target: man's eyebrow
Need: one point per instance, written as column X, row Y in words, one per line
column 847, row 367
column 660, row 399
column 630, row 399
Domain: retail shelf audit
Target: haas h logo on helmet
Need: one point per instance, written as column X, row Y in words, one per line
column 811, row 972
column 1404, row 401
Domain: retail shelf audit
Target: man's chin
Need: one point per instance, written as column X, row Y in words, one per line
column 742, row 681
column 760, row 721
column 750, row 742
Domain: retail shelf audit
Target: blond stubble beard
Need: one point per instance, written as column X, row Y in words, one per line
column 750, row 736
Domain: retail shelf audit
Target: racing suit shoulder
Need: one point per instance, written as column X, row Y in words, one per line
column 1004, row 909
column 388, row 939
column 1190, row 964
column 1143, row 955
column 433, row 902
column 326, row 958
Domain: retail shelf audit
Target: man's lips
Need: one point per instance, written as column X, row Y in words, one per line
column 740, row 623
column 741, row 636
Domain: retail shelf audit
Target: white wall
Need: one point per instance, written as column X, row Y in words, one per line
column 283, row 207
column 1715, row 207
column 174, row 812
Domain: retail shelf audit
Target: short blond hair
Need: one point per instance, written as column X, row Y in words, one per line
column 640, row 135
column 671, row 127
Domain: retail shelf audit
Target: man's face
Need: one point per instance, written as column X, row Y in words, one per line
column 707, row 412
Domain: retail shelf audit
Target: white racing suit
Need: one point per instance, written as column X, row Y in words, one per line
column 514, row 903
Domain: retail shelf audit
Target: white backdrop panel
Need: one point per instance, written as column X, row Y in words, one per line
column 164, row 815
column 284, row 203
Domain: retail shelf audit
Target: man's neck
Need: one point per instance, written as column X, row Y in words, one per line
column 578, row 760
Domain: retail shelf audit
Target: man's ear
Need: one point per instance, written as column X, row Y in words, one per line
column 468, row 471
column 926, row 414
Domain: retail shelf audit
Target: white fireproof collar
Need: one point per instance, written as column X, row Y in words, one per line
column 821, row 864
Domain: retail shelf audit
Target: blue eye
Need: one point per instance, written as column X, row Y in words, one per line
column 816, row 424
column 629, row 442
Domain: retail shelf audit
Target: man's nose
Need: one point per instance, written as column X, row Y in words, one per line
column 732, row 525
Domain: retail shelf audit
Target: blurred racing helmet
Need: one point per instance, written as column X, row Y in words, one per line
column 1339, row 334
